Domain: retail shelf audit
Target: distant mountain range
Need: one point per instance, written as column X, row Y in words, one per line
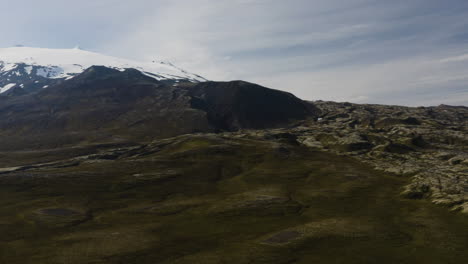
column 55, row 97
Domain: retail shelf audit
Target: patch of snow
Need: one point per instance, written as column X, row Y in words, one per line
column 28, row 69
column 7, row 87
column 51, row 72
column 8, row 67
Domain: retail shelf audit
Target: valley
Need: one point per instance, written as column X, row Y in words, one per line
column 219, row 198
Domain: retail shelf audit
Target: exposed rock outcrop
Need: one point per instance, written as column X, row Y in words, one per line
column 427, row 144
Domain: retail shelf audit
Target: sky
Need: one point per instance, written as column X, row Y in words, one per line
column 405, row 52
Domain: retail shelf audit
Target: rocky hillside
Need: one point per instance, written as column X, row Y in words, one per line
column 240, row 105
column 429, row 145
column 107, row 105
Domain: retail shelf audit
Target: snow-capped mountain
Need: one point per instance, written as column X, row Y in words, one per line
column 25, row 69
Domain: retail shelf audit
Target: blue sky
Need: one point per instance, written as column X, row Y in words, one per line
column 412, row 52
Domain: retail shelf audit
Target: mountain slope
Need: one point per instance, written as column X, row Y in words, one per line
column 235, row 105
column 104, row 104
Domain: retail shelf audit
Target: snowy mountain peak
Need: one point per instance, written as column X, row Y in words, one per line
column 37, row 67
column 74, row 61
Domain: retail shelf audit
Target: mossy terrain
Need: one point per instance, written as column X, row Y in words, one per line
column 218, row 199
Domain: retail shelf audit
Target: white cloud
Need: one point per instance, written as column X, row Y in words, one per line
column 355, row 51
column 460, row 58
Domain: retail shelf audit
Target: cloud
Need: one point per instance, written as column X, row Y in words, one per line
column 361, row 51
column 414, row 82
column 460, row 58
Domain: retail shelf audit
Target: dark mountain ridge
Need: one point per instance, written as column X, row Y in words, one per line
column 238, row 104
column 103, row 104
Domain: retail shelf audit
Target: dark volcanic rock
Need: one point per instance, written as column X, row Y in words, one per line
column 398, row 148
